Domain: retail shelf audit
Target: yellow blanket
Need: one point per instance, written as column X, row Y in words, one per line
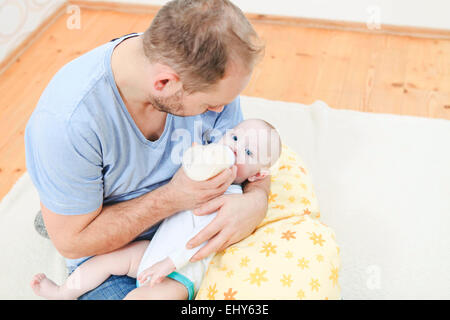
column 291, row 255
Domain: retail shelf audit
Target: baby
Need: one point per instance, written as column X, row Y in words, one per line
column 162, row 266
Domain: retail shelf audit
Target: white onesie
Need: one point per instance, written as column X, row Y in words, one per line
column 170, row 241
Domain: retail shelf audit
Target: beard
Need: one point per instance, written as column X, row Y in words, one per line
column 172, row 104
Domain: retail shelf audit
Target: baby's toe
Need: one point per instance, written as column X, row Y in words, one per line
column 37, row 278
column 41, row 276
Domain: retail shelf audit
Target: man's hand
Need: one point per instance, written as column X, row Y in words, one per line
column 188, row 194
column 157, row 272
column 237, row 218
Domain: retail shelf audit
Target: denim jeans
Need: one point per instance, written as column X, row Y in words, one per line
column 116, row 287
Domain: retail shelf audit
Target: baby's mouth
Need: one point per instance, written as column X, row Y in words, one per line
column 235, row 153
column 232, row 148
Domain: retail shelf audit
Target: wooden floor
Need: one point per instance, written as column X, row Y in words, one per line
column 347, row 70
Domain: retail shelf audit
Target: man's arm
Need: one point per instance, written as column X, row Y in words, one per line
column 112, row 227
column 238, row 217
column 109, row 227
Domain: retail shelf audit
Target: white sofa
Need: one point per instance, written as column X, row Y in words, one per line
column 383, row 185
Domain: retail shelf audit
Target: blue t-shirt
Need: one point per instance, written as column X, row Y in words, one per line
column 83, row 148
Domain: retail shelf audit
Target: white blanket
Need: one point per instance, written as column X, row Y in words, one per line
column 23, row 251
column 383, row 184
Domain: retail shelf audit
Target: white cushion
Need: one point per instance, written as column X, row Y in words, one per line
column 383, row 185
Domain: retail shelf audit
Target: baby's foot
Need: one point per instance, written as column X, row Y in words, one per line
column 44, row 287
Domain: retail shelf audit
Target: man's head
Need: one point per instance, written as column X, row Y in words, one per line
column 202, row 54
column 257, row 146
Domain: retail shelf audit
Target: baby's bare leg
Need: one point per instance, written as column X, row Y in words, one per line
column 92, row 273
column 168, row 289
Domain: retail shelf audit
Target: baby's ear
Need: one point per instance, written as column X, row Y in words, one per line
column 260, row 175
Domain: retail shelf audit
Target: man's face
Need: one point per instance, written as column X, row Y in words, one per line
column 223, row 93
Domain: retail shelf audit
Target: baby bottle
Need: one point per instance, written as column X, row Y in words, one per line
column 201, row 162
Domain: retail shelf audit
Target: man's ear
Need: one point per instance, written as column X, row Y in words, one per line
column 167, row 81
column 260, row 175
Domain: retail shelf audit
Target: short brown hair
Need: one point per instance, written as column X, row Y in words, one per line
column 198, row 39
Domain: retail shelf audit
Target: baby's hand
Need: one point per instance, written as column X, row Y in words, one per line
column 157, row 272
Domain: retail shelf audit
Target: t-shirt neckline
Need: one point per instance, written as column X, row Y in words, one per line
column 130, row 119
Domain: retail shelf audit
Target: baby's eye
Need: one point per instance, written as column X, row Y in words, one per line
column 235, row 138
column 248, row 152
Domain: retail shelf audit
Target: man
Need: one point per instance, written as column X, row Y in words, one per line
column 100, row 143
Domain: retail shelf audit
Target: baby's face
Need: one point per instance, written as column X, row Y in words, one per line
column 256, row 147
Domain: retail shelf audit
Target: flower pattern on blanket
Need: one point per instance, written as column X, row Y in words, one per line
column 291, row 254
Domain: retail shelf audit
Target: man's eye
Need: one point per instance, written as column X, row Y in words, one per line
column 248, row 152
column 235, row 138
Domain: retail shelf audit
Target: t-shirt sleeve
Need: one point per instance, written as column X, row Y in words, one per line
column 64, row 161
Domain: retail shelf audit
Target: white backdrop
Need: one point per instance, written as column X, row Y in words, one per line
column 19, row 18
column 419, row 13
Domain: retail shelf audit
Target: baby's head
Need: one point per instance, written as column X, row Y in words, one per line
column 257, row 146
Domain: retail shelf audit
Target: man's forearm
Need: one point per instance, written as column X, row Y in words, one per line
column 262, row 185
column 120, row 223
